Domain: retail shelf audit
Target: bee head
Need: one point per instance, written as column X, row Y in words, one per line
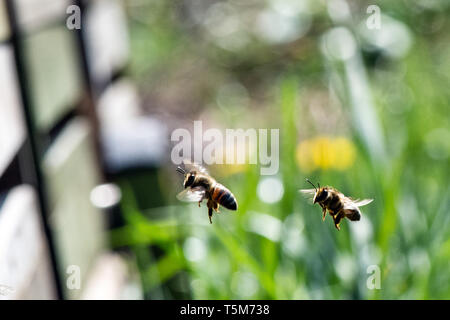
column 321, row 194
column 189, row 179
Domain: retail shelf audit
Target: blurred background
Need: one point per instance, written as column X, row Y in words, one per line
column 88, row 206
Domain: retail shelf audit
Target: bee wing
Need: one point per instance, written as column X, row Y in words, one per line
column 308, row 193
column 188, row 165
column 356, row 202
column 192, row 194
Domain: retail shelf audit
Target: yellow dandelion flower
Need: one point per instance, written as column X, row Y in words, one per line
column 346, row 153
column 325, row 153
column 303, row 156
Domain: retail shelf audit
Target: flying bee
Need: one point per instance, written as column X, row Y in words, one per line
column 338, row 205
column 199, row 185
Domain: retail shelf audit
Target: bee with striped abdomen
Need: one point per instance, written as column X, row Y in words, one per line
column 199, row 185
column 338, row 205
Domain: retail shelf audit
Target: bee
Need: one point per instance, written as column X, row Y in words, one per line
column 338, row 205
column 199, row 185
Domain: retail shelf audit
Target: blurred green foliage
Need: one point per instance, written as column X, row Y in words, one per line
column 283, row 250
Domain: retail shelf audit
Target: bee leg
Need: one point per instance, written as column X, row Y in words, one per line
column 210, row 205
column 216, row 207
column 337, row 220
column 210, row 213
column 332, row 214
column 324, row 213
column 199, row 203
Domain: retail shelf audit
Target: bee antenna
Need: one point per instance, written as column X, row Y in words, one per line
column 318, row 184
column 180, row 170
column 312, row 184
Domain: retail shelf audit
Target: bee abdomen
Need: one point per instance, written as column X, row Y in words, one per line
column 224, row 197
column 353, row 214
